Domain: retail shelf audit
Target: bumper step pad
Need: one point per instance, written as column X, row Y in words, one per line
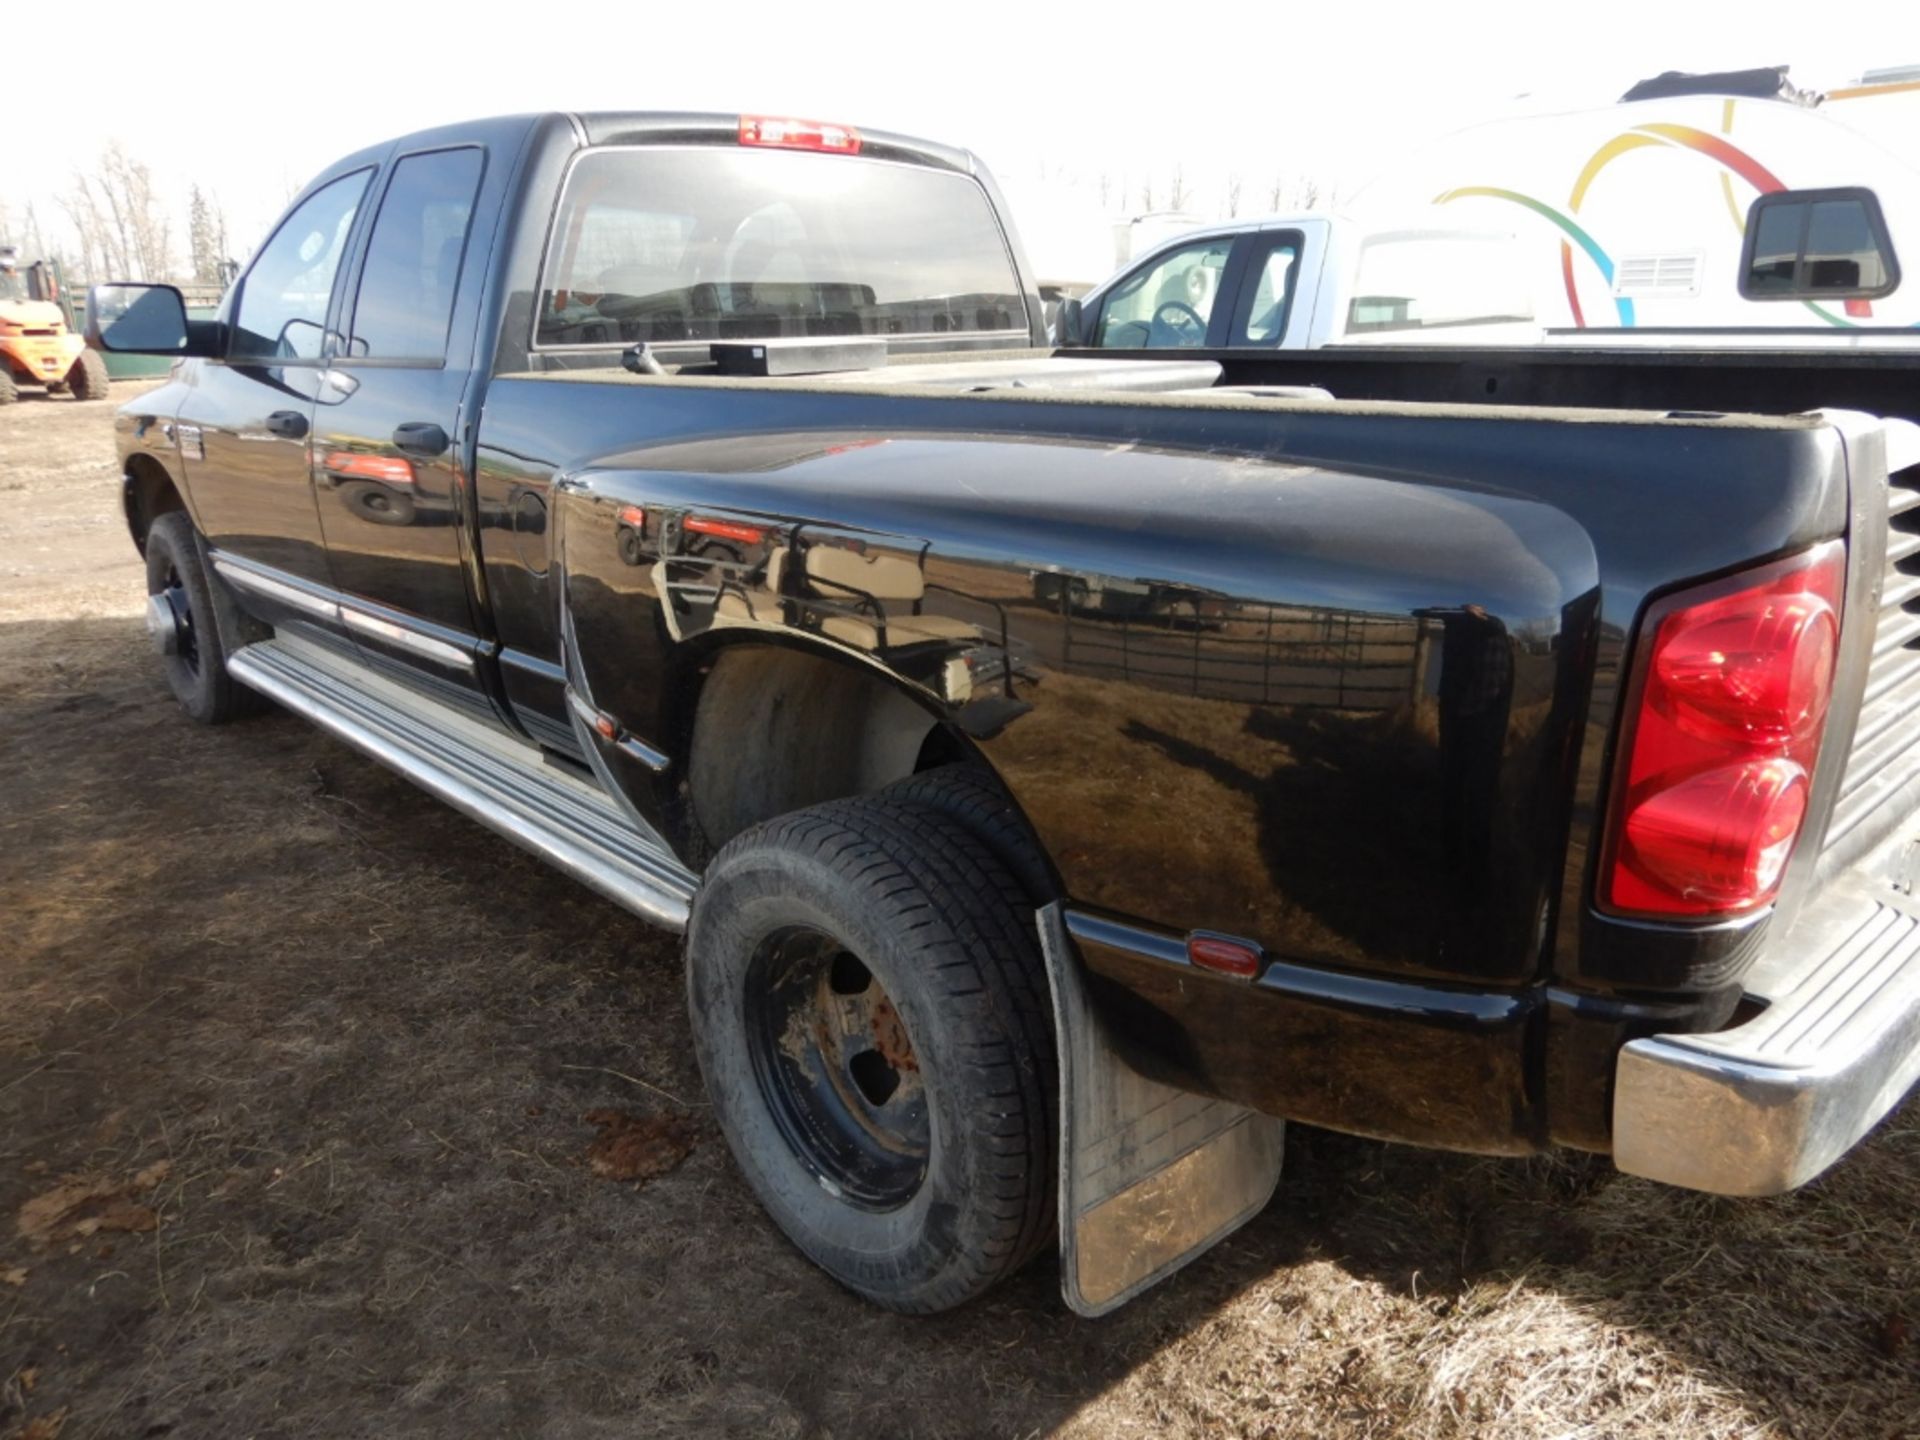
column 1768, row 1105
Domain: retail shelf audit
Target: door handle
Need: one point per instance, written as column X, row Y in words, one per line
column 287, row 424
column 421, row 439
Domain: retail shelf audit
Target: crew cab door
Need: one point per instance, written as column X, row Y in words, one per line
column 244, row 428
column 389, row 480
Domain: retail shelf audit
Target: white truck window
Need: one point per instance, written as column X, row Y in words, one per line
column 1424, row 282
column 1272, row 297
column 1168, row 302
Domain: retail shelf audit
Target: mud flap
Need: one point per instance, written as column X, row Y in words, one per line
column 1150, row 1176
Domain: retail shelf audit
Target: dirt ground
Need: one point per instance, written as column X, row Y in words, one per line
column 315, row 1101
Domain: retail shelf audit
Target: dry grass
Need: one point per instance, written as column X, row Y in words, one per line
column 349, row 1045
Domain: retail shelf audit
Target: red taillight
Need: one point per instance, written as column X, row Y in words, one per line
column 792, row 134
column 1720, row 742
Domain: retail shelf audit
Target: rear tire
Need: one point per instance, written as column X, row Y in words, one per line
column 9, row 391
column 969, row 794
column 88, row 378
column 197, row 671
column 870, row 1013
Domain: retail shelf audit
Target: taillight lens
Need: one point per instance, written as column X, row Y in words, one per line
column 790, row 134
column 1720, row 741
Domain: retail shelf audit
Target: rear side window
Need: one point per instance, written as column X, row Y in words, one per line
column 1264, row 317
column 1814, row 244
column 413, row 260
column 707, row 243
column 282, row 312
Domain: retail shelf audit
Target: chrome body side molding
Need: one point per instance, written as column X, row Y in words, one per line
column 480, row 771
column 248, row 576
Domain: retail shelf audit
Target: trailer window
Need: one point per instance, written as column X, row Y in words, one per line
column 1814, row 244
column 703, row 243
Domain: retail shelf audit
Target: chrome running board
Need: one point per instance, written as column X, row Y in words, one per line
column 484, row 773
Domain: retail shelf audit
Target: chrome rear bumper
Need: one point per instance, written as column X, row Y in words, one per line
column 1768, row 1105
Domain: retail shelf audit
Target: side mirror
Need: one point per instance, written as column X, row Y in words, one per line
column 1069, row 328
column 142, row 320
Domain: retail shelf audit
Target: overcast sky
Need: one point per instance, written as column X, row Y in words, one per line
column 248, row 100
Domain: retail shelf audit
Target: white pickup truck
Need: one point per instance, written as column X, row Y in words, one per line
column 1297, row 282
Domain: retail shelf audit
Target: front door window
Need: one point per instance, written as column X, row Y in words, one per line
column 1167, row 303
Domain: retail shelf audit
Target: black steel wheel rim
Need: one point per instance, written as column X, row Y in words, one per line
column 186, row 645
column 837, row 1068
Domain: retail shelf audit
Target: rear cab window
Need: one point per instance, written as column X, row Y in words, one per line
column 668, row 245
column 1273, row 270
column 1815, row 244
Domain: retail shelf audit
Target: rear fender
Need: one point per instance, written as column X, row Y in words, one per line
column 654, row 598
column 1331, row 709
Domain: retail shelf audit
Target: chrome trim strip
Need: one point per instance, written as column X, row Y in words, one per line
column 630, row 746
column 585, row 713
column 572, row 826
column 247, row 578
column 1470, row 1009
column 412, row 641
column 643, row 752
column 533, row 665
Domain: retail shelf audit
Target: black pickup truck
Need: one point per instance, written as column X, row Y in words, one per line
column 1068, row 766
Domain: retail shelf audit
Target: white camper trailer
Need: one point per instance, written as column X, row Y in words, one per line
column 1698, row 202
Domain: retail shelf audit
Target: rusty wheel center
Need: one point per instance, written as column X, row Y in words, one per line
column 838, row 1067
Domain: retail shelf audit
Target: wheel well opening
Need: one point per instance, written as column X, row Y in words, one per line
column 150, row 494
column 778, row 729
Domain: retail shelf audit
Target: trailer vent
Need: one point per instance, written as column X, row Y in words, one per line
column 1659, row 277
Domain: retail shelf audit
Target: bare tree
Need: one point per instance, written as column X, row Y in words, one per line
column 34, row 238
column 1233, row 194
column 123, row 228
column 1146, row 194
column 1177, row 195
column 1106, row 188
column 1277, row 194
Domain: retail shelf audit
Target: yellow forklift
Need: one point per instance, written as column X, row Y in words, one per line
column 38, row 347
